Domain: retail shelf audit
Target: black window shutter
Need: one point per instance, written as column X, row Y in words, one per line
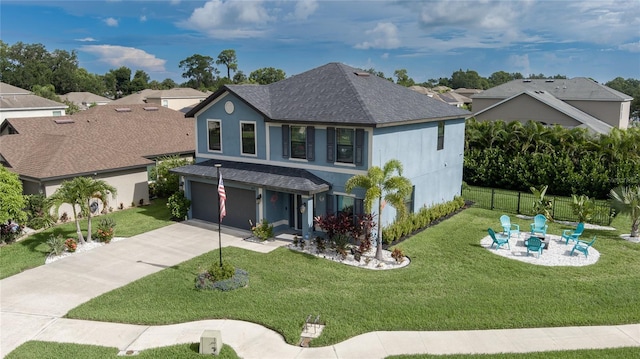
column 359, row 146
column 331, row 144
column 311, row 143
column 330, row 199
column 285, row 141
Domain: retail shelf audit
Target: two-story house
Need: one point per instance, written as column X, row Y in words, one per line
column 286, row 149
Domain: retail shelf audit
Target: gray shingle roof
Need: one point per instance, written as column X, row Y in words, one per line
column 6, row 89
column 337, row 93
column 577, row 88
column 586, row 120
column 285, row 179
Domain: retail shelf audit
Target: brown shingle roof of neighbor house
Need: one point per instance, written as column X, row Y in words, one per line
column 178, row 92
column 100, row 139
column 137, row 98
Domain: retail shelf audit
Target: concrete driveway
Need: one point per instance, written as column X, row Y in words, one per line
column 33, row 299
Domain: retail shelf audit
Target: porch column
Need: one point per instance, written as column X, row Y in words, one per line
column 306, row 213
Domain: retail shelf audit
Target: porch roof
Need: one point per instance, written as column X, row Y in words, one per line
column 277, row 178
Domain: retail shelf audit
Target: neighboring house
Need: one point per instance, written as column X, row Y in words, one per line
column 114, row 143
column 577, row 102
column 450, row 97
column 16, row 102
column 84, row 100
column 286, row 149
column 179, row 98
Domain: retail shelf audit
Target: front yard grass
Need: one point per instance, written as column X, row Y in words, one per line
column 33, row 250
column 452, row 284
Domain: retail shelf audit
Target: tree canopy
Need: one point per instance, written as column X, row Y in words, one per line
column 228, row 59
column 12, row 202
column 267, row 75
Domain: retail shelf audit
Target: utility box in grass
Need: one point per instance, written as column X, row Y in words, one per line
column 211, row 342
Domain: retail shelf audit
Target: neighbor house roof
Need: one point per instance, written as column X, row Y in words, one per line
column 338, row 94
column 14, row 98
column 586, row 120
column 577, row 88
column 277, row 178
column 137, row 98
column 6, row 89
column 177, row 92
column 84, row 98
column 100, row 139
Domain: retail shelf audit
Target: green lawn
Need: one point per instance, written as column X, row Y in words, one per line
column 452, row 283
column 44, row 350
column 614, row 353
column 33, row 250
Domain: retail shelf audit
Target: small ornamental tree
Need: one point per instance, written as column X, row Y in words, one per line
column 627, row 200
column 12, row 201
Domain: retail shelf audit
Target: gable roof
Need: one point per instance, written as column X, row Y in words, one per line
column 577, row 88
column 586, row 120
column 338, row 94
column 100, row 139
column 177, row 92
column 137, row 98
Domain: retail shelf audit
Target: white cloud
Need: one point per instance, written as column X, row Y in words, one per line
column 631, row 47
column 383, row 36
column 521, row 63
column 304, row 9
column 143, row 18
column 229, row 19
column 111, row 22
column 384, row 56
column 86, row 39
column 117, row 56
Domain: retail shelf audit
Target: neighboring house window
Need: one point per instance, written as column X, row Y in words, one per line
column 57, row 113
column 165, row 103
column 248, row 140
column 345, row 145
column 298, row 142
column 215, row 135
column 440, row 135
column 409, row 200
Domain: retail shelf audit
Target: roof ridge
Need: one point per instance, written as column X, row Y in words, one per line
column 355, row 90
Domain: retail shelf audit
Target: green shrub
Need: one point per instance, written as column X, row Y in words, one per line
column 263, row 231
column 179, row 205
column 583, row 207
column 56, row 245
column 223, row 272
column 106, row 229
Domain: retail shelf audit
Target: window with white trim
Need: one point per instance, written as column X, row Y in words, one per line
column 248, row 138
column 345, row 144
column 299, row 142
column 214, row 135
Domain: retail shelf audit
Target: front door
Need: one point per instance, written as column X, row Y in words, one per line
column 295, row 219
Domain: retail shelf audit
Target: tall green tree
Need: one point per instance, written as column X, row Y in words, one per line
column 403, row 78
column 380, row 184
column 627, row 200
column 64, row 65
column 199, row 70
column 46, row 91
column 90, row 82
column 267, row 75
column 12, row 202
column 118, row 82
column 79, row 193
column 140, row 81
column 228, row 58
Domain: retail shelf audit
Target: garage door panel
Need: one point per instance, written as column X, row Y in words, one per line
column 240, row 204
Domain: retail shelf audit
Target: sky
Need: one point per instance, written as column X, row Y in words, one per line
column 430, row 39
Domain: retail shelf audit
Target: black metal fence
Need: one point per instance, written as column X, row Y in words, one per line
column 522, row 203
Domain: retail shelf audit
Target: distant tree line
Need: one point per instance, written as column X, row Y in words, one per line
column 518, row 156
column 29, row 65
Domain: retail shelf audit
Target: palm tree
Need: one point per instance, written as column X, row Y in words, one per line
column 627, row 200
column 79, row 192
column 381, row 183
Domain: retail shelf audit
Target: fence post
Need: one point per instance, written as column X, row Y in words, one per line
column 553, row 207
column 493, row 192
column 518, row 209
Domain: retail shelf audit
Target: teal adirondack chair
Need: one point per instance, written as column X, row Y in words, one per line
column 539, row 224
column 498, row 239
column 583, row 246
column 534, row 244
column 574, row 235
column 508, row 227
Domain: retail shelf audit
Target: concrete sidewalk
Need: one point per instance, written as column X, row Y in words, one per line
column 33, row 302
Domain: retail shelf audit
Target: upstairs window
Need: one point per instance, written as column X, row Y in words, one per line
column 440, row 135
column 215, row 135
column 248, row 140
column 298, row 142
column 345, row 145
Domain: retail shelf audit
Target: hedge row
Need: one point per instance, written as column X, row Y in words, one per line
column 420, row 220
